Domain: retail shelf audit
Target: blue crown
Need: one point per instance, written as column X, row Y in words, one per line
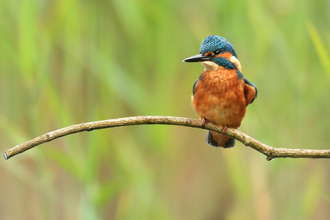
column 213, row 43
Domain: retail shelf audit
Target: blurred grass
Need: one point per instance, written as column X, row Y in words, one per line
column 67, row 62
column 319, row 46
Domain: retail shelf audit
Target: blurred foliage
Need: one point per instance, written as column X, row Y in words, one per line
column 67, row 62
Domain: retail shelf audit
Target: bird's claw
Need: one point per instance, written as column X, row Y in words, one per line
column 204, row 121
column 224, row 129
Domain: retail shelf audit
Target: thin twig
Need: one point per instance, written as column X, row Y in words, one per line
column 269, row 151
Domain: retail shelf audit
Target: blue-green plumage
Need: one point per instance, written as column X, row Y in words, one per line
column 221, row 61
column 194, row 86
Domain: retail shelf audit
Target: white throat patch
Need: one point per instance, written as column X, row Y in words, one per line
column 209, row 65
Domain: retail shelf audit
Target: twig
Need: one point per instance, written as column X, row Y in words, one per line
column 269, row 151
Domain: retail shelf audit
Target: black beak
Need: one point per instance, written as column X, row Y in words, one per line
column 197, row 58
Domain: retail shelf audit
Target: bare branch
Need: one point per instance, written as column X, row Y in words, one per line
column 269, row 151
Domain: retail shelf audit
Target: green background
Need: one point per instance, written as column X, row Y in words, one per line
column 65, row 62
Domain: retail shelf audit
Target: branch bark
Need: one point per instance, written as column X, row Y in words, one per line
column 269, row 151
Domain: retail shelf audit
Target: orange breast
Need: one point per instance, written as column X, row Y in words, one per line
column 219, row 97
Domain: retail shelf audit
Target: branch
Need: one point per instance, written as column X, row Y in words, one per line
column 269, row 151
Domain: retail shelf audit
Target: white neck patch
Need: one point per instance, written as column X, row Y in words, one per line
column 236, row 63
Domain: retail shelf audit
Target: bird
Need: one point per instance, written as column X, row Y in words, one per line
column 221, row 93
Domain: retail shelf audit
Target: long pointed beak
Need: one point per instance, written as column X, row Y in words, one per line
column 197, row 58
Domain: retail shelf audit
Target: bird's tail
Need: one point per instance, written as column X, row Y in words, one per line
column 218, row 140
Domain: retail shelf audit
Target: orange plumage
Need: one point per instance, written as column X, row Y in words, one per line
column 221, row 98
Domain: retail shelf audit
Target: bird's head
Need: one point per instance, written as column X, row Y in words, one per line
column 216, row 51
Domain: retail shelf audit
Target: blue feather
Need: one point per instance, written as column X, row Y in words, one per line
column 199, row 79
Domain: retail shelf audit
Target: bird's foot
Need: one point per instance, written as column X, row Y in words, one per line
column 224, row 129
column 204, row 121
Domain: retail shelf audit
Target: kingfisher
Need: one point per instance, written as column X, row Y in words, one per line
column 221, row 93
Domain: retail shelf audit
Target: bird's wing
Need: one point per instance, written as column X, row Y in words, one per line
column 250, row 91
column 197, row 80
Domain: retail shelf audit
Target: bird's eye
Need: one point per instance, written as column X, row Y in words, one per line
column 216, row 52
